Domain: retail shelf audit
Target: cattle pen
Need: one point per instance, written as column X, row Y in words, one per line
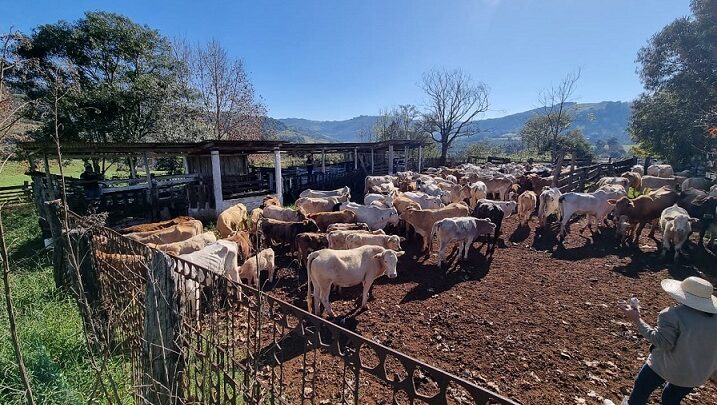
column 212, row 175
column 193, row 336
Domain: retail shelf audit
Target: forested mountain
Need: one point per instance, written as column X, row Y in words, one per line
column 598, row 121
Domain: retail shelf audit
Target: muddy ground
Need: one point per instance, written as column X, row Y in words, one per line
column 538, row 323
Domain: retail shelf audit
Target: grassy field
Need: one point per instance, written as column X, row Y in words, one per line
column 49, row 325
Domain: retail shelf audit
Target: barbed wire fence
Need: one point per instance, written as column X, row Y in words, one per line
column 191, row 336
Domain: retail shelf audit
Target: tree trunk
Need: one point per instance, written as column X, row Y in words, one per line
column 444, row 152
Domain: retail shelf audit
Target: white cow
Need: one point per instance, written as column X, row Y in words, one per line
column 424, row 200
column 608, row 181
column 219, row 257
column 638, row 169
column 346, row 268
column 337, row 239
column 343, row 194
column 508, row 207
column 463, row 230
column 660, row 171
column 591, row 204
column 355, row 240
column 375, row 217
column 283, row 214
column 676, row 226
column 549, row 204
column 253, row 266
column 478, row 191
column 713, row 191
column 312, row 205
column 527, row 201
column 380, row 199
column 372, row 181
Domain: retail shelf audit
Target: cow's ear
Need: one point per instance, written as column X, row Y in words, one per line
column 400, row 253
column 693, row 220
column 401, row 238
column 378, row 256
column 611, row 201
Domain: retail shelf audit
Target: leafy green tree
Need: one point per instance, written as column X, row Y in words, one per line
column 124, row 71
column 674, row 116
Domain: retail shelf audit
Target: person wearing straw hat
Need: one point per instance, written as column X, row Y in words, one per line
column 683, row 350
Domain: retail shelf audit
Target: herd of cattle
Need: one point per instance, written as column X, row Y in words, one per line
column 341, row 243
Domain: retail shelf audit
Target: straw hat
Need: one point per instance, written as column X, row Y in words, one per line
column 694, row 292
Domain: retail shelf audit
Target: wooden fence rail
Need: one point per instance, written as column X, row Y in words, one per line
column 20, row 194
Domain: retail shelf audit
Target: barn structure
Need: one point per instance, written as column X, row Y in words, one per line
column 212, row 176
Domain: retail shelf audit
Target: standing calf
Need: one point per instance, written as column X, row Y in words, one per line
column 463, row 230
column 526, row 205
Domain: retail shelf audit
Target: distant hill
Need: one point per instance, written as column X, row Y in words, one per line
column 275, row 129
column 597, row 120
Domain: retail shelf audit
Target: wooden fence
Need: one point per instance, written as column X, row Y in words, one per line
column 194, row 336
column 12, row 195
column 584, row 178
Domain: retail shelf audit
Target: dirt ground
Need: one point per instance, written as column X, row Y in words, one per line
column 538, row 323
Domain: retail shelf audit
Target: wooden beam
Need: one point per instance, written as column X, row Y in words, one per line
column 148, row 175
column 355, row 158
column 372, row 160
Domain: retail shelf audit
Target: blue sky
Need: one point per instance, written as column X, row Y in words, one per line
column 332, row 60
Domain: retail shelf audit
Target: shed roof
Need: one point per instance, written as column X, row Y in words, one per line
column 85, row 149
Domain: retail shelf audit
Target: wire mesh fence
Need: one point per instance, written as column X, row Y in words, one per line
column 193, row 336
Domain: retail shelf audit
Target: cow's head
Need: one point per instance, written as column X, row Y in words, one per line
column 394, row 242
column 389, row 260
column 621, row 204
column 683, row 226
column 310, row 225
column 393, row 217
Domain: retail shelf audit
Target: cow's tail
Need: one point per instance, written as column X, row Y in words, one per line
column 561, row 209
column 309, row 302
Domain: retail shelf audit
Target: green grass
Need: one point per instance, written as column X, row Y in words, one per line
column 49, row 326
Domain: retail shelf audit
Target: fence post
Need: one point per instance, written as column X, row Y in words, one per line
column 162, row 360
column 58, row 246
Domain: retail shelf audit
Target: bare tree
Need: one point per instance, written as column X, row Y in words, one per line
column 454, row 101
column 228, row 100
column 10, row 113
column 557, row 118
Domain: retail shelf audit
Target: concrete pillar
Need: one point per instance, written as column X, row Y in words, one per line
column 277, row 176
column 405, row 157
column 372, row 160
column 148, row 175
column 323, row 161
column 355, row 158
column 390, row 159
column 420, row 157
column 217, row 182
column 132, row 168
column 185, row 163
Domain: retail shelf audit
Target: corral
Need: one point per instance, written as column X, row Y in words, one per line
column 535, row 321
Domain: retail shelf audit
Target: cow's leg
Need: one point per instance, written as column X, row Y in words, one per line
column 703, row 231
column 324, row 295
column 653, row 227
column 665, row 246
column 466, row 245
column 440, row 252
column 366, row 288
column 317, row 299
column 678, row 250
column 638, row 232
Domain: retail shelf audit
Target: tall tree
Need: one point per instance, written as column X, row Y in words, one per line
column 228, row 100
column 674, row 117
column 454, row 102
column 402, row 122
column 124, row 71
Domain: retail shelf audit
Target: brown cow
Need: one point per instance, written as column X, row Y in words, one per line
column 243, row 242
column 175, row 233
column 634, row 180
column 275, row 231
column 645, row 208
column 423, row 220
column 324, row 219
column 308, row 242
column 232, row 220
column 270, row 200
column 155, row 226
